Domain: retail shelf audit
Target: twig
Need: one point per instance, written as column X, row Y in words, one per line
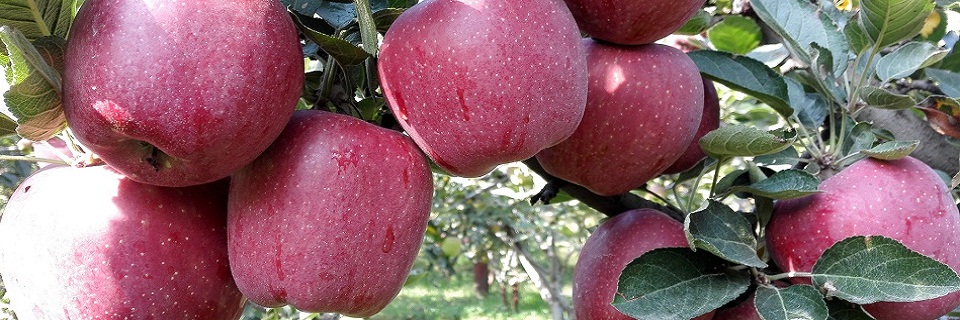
column 608, row 205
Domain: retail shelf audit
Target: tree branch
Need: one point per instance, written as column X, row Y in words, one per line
column 608, row 205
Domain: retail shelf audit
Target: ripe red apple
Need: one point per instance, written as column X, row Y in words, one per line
column 168, row 95
column 709, row 121
column 643, row 109
column 903, row 200
column 610, row 249
column 89, row 243
column 481, row 83
column 330, row 217
column 632, row 22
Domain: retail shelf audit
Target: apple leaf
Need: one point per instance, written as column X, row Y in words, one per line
column 696, row 25
column 340, row 14
column 793, row 302
column 886, row 22
column 723, row 232
column 786, row 184
column 856, row 38
column 34, row 95
column 39, row 18
column 843, row 310
column 868, row 269
column 676, row 283
column 735, row 34
column 7, row 126
column 346, row 53
column 811, row 109
column 801, row 24
column 745, row 141
column 883, row 99
column 892, row 150
column 789, row 156
column 747, row 75
column 858, row 138
column 943, row 114
column 907, row 59
column 948, row 81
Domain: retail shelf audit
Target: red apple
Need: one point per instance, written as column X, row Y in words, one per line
column 481, row 83
column 179, row 93
column 610, row 249
column 89, row 243
column 903, row 200
column 643, row 109
column 709, row 121
column 632, row 22
column 330, row 217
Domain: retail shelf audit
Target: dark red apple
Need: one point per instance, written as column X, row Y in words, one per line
column 607, row 252
column 179, row 93
column 89, row 243
column 903, row 200
column 330, row 217
column 709, row 121
column 632, row 22
column 481, row 83
column 643, row 109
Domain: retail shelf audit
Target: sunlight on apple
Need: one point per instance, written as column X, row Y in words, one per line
column 615, row 80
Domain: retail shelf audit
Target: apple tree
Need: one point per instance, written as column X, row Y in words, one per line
column 825, row 193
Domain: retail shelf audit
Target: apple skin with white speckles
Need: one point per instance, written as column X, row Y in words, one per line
column 88, row 243
column 480, row 83
column 709, row 121
column 644, row 106
column 902, row 199
column 169, row 96
column 330, row 218
column 609, row 250
column 632, row 22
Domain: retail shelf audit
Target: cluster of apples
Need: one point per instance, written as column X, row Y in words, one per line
column 214, row 190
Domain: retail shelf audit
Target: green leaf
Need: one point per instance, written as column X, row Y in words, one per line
column 747, row 75
column 39, row 18
column 810, row 109
column 787, row 184
column 798, row 302
column 886, row 22
column 735, row 34
column 892, row 150
column 843, row 310
column 860, row 137
column 868, row 269
column 7, row 126
column 676, row 283
column 908, row 59
column 344, row 52
column 948, row 81
column 696, row 25
column 856, row 37
column 34, row 95
column 801, row 24
column 723, row 232
column 788, row 156
column 745, row 141
column 883, row 99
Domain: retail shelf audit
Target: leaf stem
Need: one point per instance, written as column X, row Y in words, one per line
column 789, row 275
column 716, row 177
column 368, row 28
column 32, row 159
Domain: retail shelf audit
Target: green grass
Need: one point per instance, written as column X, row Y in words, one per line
column 454, row 298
